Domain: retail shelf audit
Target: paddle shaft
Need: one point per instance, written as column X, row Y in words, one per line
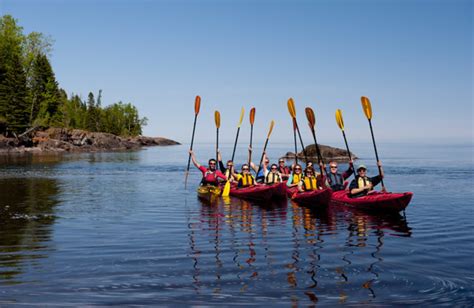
column 217, row 143
column 320, row 158
column 190, row 148
column 348, row 151
column 263, row 154
column 235, row 143
column 296, row 148
column 251, row 134
column 376, row 154
column 301, row 141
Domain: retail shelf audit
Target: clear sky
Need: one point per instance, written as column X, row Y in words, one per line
column 413, row 59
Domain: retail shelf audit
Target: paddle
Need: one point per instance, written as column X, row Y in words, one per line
column 340, row 123
column 265, row 146
column 312, row 122
column 238, row 130
column 217, row 119
column 197, row 106
column 252, row 120
column 368, row 113
column 291, row 109
column 226, row 190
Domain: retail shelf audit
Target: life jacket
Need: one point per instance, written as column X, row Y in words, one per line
column 296, row 178
column 272, row 178
column 363, row 181
column 284, row 170
column 246, row 180
column 310, row 183
column 336, row 181
column 210, row 178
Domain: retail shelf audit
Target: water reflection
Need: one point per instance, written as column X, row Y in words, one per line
column 306, row 253
column 26, row 216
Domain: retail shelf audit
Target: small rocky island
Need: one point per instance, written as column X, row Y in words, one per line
column 62, row 140
column 327, row 152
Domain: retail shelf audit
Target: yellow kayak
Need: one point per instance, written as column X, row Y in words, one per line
column 208, row 192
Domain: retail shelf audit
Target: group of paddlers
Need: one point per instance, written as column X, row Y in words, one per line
column 294, row 176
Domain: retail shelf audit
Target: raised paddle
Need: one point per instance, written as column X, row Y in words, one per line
column 197, row 106
column 292, row 110
column 340, row 123
column 252, row 120
column 217, row 119
column 238, row 130
column 311, row 123
column 265, row 146
column 368, row 113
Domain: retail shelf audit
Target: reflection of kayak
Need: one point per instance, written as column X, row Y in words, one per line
column 255, row 193
column 389, row 202
column 314, row 198
column 279, row 190
column 208, row 193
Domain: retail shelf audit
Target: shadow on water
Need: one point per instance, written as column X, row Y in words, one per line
column 26, row 215
column 246, row 231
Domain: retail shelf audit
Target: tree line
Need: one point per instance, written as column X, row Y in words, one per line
column 31, row 97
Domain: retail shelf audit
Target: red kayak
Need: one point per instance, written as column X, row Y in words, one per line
column 254, row 193
column 290, row 191
column 314, row 198
column 380, row 201
column 279, row 190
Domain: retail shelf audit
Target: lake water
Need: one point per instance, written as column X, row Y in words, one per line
column 118, row 228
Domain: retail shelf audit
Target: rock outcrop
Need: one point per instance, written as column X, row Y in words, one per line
column 76, row 140
column 328, row 153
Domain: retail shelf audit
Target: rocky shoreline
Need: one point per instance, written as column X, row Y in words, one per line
column 60, row 140
column 327, row 152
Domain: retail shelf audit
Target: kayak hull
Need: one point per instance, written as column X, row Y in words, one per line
column 253, row 193
column 314, row 198
column 208, row 193
column 279, row 190
column 377, row 201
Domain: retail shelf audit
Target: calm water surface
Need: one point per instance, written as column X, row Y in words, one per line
column 117, row 228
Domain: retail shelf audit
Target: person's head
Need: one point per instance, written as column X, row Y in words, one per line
column 281, row 162
column 309, row 171
column 212, row 164
column 361, row 170
column 230, row 164
column 298, row 169
column 274, row 168
column 309, row 164
column 267, row 161
column 245, row 169
column 333, row 166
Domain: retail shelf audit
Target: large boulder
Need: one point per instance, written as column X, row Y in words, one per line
column 327, row 152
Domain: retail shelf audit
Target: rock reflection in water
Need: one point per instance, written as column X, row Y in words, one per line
column 26, row 215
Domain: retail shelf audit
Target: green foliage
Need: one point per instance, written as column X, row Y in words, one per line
column 30, row 95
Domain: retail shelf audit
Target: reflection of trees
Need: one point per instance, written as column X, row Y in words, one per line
column 26, row 213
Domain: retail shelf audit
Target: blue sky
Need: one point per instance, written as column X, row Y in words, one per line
column 413, row 59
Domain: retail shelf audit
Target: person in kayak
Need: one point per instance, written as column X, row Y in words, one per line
column 309, row 181
column 210, row 175
column 296, row 176
column 284, row 170
column 229, row 171
column 245, row 178
column 335, row 179
column 273, row 176
column 362, row 184
column 260, row 172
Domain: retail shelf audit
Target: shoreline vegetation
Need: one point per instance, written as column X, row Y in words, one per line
column 36, row 115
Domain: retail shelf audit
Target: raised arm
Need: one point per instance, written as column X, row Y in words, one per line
column 193, row 158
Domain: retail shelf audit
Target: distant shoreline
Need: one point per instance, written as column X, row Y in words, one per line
column 60, row 140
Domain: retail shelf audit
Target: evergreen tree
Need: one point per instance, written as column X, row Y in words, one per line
column 13, row 92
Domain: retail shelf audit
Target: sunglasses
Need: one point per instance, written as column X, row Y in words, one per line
column 212, row 163
column 229, row 165
column 281, row 162
column 274, row 168
column 245, row 169
column 333, row 167
column 297, row 168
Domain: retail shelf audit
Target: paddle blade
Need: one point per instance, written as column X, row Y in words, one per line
column 226, row 190
column 241, row 116
column 252, row 115
column 197, row 104
column 367, row 107
column 271, row 128
column 291, row 107
column 339, row 119
column 310, row 116
column 217, row 118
